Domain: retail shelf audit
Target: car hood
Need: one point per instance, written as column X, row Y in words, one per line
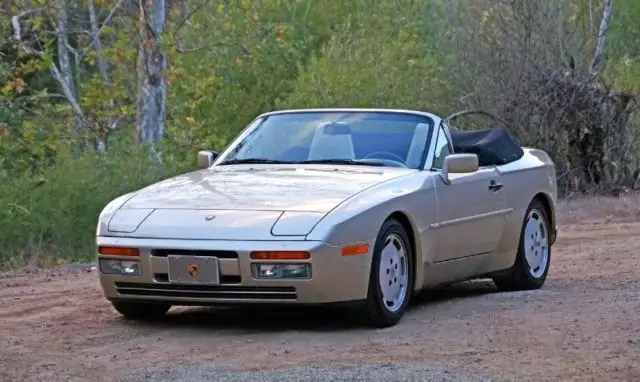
column 240, row 202
column 262, row 188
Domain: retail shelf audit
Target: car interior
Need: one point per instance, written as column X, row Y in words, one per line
column 344, row 141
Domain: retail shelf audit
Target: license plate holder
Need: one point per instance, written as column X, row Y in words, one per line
column 193, row 270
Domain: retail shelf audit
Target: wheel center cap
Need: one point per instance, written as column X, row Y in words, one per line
column 394, row 271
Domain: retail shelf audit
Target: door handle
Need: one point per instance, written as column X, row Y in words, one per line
column 495, row 186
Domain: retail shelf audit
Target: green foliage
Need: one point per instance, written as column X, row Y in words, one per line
column 54, row 215
column 249, row 57
column 231, row 60
column 625, row 29
column 623, row 70
column 374, row 61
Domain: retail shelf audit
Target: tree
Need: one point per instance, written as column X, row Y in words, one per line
column 152, row 75
column 54, row 36
column 539, row 65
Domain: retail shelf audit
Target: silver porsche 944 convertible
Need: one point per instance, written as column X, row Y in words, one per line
column 358, row 206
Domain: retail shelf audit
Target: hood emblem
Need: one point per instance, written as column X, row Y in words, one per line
column 209, row 217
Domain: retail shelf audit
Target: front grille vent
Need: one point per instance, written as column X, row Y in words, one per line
column 219, row 292
column 194, row 252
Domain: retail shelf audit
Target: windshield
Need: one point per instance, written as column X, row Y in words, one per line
column 366, row 138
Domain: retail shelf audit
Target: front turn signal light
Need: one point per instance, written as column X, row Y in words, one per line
column 118, row 251
column 280, row 255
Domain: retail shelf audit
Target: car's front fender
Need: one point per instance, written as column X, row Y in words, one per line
column 360, row 217
column 107, row 212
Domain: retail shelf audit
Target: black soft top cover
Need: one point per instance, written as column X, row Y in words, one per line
column 493, row 147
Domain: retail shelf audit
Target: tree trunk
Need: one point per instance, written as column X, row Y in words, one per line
column 63, row 72
column 63, row 47
column 152, row 75
column 598, row 57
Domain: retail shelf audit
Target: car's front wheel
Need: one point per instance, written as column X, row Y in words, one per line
column 141, row 311
column 391, row 277
column 534, row 253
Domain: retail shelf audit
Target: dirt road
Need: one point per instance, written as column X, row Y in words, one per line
column 583, row 325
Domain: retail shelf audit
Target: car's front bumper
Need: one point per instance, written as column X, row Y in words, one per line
column 334, row 278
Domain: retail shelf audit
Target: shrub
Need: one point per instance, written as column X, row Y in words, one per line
column 52, row 217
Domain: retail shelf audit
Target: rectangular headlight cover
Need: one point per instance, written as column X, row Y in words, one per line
column 120, row 267
column 281, row 270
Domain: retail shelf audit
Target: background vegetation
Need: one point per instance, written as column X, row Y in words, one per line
column 72, row 100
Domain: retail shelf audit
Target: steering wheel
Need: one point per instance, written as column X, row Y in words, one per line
column 394, row 158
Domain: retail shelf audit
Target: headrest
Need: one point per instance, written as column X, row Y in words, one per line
column 332, row 141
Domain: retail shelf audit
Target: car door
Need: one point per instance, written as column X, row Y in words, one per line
column 471, row 209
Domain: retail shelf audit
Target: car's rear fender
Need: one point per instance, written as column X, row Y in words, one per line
column 529, row 177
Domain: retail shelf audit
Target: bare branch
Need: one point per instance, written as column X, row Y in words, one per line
column 188, row 16
column 15, row 22
column 95, row 32
column 179, row 49
column 597, row 63
column 64, row 64
column 474, row 111
column 567, row 57
column 67, row 90
column 45, row 95
column 112, row 123
column 76, row 56
column 67, row 87
column 96, row 35
column 591, row 26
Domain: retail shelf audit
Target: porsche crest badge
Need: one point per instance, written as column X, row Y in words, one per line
column 192, row 269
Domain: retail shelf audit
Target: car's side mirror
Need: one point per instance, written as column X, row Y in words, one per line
column 206, row 158
column 458, row 164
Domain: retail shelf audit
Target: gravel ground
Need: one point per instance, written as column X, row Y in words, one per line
column 583, row 325
column 366, row 372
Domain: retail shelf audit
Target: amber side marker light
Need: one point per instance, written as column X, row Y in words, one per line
column 280, row 255
column 118, row 251
column 353, row 250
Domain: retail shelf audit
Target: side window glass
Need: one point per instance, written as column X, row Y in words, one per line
column 443, row 148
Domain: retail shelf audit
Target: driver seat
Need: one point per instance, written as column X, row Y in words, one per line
column 331, row 146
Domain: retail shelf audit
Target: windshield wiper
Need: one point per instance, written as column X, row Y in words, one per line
column 311, row 161
column 253, row 161
column 340, row 161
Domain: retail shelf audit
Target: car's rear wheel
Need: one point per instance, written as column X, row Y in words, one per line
column 391, row 277
column 141, row 311
column 534, row 253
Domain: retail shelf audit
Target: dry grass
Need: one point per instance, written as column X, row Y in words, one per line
column 622, row 209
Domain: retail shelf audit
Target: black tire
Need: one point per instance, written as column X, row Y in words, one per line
column 374, row 311
column 519, row 277
column 141, row 311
